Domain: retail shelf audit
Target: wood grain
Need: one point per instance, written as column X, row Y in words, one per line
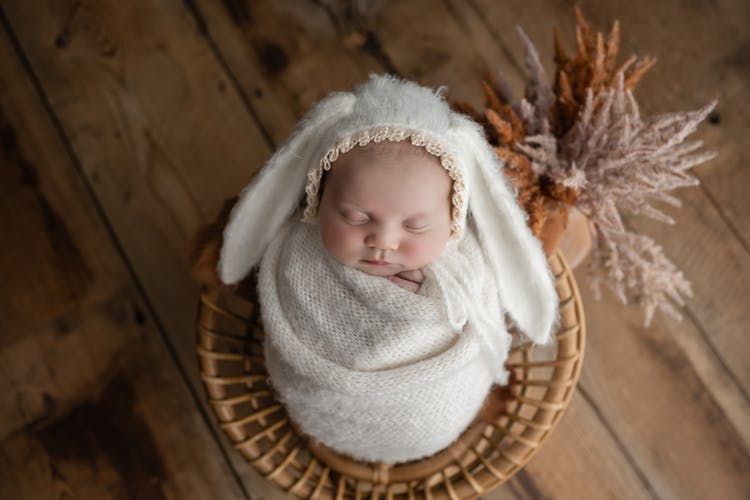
column 93, row 405
column 169, row 107
column 285, row 55
column 674, row 84
column 160, row 134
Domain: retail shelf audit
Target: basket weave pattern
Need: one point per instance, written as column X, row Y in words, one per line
column 230, row 339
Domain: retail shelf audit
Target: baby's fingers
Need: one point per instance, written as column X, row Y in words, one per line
column 415, row 276
column 404, row 283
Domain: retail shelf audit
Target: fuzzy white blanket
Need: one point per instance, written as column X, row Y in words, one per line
column 371, row 369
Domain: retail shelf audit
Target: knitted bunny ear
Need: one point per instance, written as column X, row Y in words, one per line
column 271, row 197
column 523, row 277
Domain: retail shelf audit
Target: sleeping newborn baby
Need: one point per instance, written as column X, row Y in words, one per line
column 384, row 307
column 385, row 210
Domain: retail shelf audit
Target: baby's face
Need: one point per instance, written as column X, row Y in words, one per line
column 386, row 208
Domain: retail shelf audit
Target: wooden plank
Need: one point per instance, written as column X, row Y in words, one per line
column 92, row 403
column 160, row 132
column 580, row 460
column 668, row 420
column 712, row 333
column 139, row 435
column 285, row 55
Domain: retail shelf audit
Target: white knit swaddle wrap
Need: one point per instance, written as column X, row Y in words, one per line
column 371, row 369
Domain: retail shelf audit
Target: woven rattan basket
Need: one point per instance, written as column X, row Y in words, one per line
column 230, row 337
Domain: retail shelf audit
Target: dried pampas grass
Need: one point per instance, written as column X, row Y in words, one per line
column 582, row 142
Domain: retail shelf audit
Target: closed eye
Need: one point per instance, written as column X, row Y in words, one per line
column 356, row 222
column 355, row 219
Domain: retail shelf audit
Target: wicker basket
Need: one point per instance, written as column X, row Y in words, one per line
column 230, row 336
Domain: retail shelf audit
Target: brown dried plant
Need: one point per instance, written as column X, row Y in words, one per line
column 583, row 143
column 593, row 67
column 540, row 197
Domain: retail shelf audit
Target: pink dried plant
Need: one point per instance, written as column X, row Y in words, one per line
column 587, row 135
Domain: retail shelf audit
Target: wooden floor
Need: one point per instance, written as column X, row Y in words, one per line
column 123, row 126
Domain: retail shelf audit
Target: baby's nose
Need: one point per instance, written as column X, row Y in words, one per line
column 383, row 239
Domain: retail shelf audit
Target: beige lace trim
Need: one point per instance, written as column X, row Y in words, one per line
column 393, row 134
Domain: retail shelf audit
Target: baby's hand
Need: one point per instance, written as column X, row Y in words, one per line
column 410, row 280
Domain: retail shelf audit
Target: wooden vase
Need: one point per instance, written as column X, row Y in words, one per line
column 569, row 231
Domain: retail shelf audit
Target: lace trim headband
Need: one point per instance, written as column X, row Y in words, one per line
column 393, row 134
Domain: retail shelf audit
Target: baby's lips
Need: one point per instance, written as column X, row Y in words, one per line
column 375, row 262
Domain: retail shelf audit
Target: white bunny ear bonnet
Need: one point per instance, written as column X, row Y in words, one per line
column 386, row 108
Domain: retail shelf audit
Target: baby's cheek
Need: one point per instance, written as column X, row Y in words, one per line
column 424, row 251
column 340, row 242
